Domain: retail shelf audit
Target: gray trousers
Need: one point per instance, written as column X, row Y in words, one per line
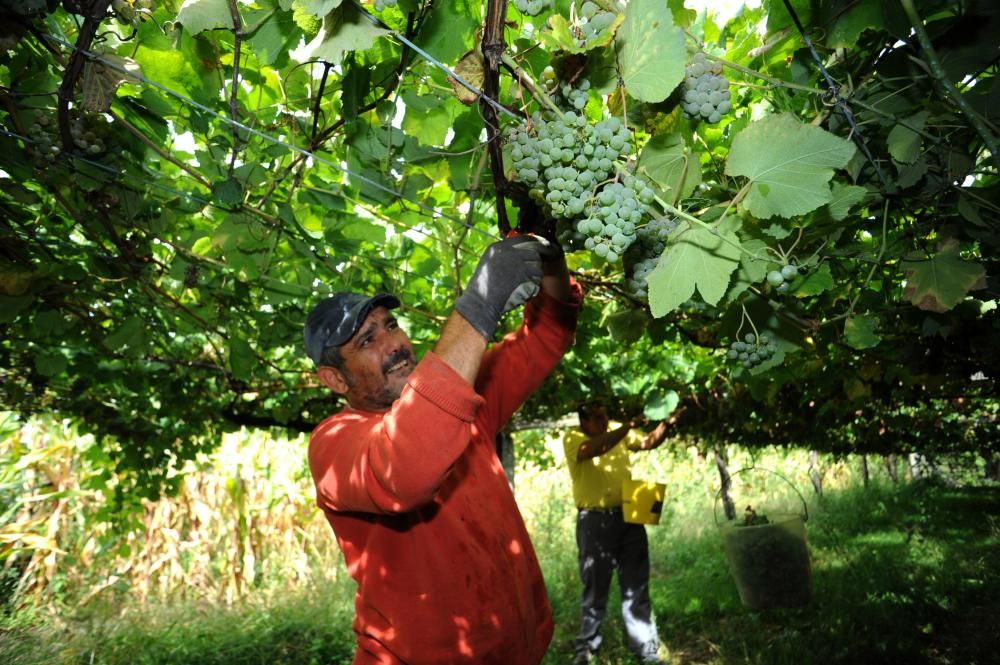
column 607, row 543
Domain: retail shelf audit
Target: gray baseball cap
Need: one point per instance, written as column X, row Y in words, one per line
column 334, row 320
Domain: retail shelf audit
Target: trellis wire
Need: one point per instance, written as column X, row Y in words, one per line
column 116, row 173
column 431, row 59
column 840, row 102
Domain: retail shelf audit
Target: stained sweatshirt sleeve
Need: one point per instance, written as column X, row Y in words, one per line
column 513, row 369
column 395, row 462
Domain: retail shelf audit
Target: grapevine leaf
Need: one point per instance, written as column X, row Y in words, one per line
column 241, row 358
column 130, row 337
column 354, row 87
column 626, row 326
column 228, row 191
column 189, row 68
column 11, row 306
column 671, row 164
column 859, row 332
column 904, row 141
column 778, row 16
column 472, row 68
column 49, row 363
column 751, row 270
column 816, row 282
column 777, row 231
column 941, row 282
column 101, row 82
column 969, row 212
column 910, row 174
column 320, row 8
column 560, row 37
column 200, row 15
column 661, row 405
column 448, row 30
column 276, row 36
column 789, row 165
column 849, row 26
column 652, row 49
column 843, row 199
column 697, row 259
column 345, row 29
column 428, row 119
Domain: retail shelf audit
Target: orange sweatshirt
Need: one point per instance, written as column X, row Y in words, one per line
column 423, row 513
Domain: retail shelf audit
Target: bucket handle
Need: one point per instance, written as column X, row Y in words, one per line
column 718, row 495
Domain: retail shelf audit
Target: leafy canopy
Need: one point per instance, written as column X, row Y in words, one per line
column 180, row 181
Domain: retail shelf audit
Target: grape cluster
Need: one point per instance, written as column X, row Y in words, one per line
column 779, row 278
column 612, row 217
column 382, row 4
column 643, row 255
column 87, row 136
column 533, row 7
column 576, row 96
column 566, row 159
column 752, row 350
column 45, row 138
column 592, row 21
column 706, row 90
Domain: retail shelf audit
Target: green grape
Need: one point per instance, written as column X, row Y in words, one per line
column 752, row 350
column 533, row 7
column 775, row 278
column 568, row 164
column 789, row 271
column 706, row 93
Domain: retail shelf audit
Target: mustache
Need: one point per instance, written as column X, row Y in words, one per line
column 397, row 356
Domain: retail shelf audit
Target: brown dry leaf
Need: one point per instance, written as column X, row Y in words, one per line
column 472, row 68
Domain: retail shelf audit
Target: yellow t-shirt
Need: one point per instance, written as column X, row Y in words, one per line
column 597, row 482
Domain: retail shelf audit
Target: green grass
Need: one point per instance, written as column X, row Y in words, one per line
column 901, row 574
column 301, row 628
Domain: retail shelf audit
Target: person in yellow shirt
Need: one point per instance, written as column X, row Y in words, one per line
column 598, row 459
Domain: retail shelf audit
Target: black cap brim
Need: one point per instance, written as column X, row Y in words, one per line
column 357, row 316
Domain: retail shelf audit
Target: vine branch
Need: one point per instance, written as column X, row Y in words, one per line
column 95, row 13
column 937, row 71
column 493, row 48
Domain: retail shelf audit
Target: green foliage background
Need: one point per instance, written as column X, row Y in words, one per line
column 258, row 156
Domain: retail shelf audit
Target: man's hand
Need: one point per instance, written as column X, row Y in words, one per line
column 508, row 275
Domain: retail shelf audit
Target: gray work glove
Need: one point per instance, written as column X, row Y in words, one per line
column 508, row 275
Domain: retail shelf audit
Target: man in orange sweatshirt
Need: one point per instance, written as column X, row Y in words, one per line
column 407, row 474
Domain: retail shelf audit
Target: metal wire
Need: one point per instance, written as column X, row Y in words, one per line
column 115, row 173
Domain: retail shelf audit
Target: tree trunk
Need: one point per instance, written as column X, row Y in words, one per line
column 891, row 468
column 814, row 475
column 865, row 475
column 916, row 461
column 493, row 47
column 722, row 464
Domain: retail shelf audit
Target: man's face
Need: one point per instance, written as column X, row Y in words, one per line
column 596, row 422
column 377, row 362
